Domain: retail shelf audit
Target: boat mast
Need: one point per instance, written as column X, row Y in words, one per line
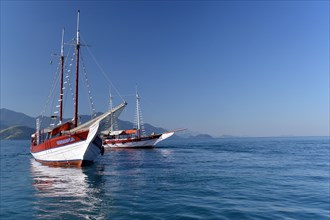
column 111, row 107
column 138, row 113
column 62, row 71
column 77, row 74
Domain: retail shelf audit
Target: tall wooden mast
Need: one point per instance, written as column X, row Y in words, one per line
column 62, row 71
column 77, row 74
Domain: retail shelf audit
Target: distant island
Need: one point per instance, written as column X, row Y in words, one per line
column 19, row 126
column 202, row 136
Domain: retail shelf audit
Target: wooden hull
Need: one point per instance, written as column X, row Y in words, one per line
column 78, row 149
column 72, row 163
column 143, row 142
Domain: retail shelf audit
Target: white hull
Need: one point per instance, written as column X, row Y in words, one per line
column 164, row 136
column 78, row 151
column 138, row 143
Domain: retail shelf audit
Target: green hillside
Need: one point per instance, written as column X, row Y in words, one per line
column 16, row 133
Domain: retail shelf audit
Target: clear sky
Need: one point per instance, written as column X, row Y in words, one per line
column 248, row 68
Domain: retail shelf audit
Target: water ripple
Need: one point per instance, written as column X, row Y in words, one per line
column 267, row 178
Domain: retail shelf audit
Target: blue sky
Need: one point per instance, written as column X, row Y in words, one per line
column 248, row 68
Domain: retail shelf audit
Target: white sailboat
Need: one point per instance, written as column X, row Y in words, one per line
column 134, row 138
column 67, row 143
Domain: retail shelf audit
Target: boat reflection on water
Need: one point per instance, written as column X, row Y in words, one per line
column 67, row 193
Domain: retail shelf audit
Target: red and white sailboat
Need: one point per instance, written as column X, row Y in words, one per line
column 133, row 138
column 67, row 143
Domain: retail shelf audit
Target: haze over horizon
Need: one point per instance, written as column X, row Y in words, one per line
column 242, row 68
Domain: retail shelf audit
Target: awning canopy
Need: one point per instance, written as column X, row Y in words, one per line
column 123, row 132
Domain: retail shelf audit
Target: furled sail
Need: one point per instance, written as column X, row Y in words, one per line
column 117, row 110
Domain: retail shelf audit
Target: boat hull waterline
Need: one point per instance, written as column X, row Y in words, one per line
column 78, row 153
column 142, row 142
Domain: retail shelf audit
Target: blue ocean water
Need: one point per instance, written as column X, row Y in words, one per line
column 243, row 178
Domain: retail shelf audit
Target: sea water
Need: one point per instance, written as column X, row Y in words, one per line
column 234, row 178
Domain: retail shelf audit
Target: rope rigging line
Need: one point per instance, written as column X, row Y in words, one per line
column 68, row 71
column 50, row 102
column 66, row 78
column 67, row 81
column 104, row 74
column 138, row 120
column 111, row 122
column 51, row 92
column 56, row 113
column 88, row 87
column 68, row 74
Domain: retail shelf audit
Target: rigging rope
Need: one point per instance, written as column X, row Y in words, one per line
column 138, row 118
column 105, row 75
column 66, row 78
column 67, row 82
column 51, row 93
column 91, row 103
column 111, row 122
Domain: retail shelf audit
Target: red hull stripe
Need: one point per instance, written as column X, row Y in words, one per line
column 66, row 163
column 59, row 141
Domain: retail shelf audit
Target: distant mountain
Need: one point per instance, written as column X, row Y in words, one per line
column 10, row 118
column 126, row 125
column 16, row 133
column 203, row 136
column 15, row 125
column 192, row 134
column 228, row 136
column 3, row 126
column 149, row 129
